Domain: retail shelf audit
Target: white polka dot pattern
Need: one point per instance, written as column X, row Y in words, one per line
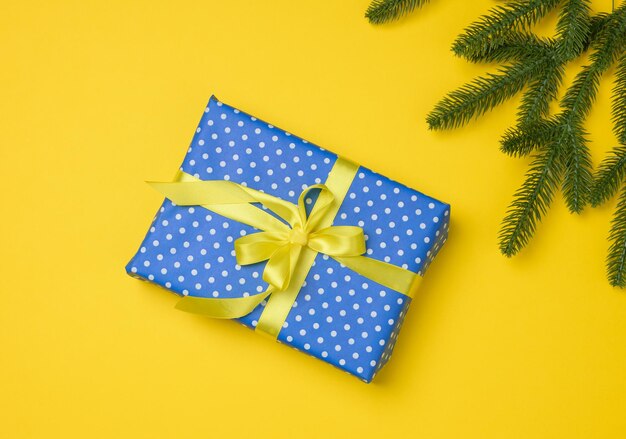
column 339, row 316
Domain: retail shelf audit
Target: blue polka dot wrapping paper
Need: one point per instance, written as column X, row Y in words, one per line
column 339, row 316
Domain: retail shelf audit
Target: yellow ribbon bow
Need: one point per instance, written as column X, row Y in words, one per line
column 289, row 246
column 281, row 248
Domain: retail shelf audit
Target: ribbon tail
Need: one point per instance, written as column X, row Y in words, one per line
column 222, row 308
column 225, row 198
column 279, row 267
column 198, row 192
column 393, row 277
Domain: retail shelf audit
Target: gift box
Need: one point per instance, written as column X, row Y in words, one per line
column 337, row 314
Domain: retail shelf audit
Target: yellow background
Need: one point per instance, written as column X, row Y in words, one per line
column 96, row 97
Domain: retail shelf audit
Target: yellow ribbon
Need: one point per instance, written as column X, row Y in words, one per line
column 289, row 247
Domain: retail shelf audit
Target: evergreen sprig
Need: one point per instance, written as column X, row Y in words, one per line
column 610, row 177
column 561, row 156
column 491, row 30
column 565, row 134
column 531, row 201
column 619, row 102
column 616, row 259
column 484, row 93
column 558, row 143
column 573, row 28
column 518, row 142
column 381, row 11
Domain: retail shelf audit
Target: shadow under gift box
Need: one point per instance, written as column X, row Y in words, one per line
column 339, row 316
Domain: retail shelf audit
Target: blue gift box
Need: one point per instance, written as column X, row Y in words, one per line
column 339, row 316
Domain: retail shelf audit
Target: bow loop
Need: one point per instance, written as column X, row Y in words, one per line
column 338, row 241
column 258, row 247
column 323, row 203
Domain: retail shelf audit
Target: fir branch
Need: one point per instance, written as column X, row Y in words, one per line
column 577, row 175
column 561, row 155
column 573, row 28
column 619, row 101
column 531, row 202
column 580, row 96
column 616, row 258
column 490, row 31
column 542, row 90
column 609, row 177
column 482, row 94
column 610, row 39
column 381, row 11
column 576, row 104
column 573, row 31
column 596, row 24
column 607, row 48
column 519, row 142
column 515, row 46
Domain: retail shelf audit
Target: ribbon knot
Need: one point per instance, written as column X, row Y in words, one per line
column 281, row 246
column 298, row 236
